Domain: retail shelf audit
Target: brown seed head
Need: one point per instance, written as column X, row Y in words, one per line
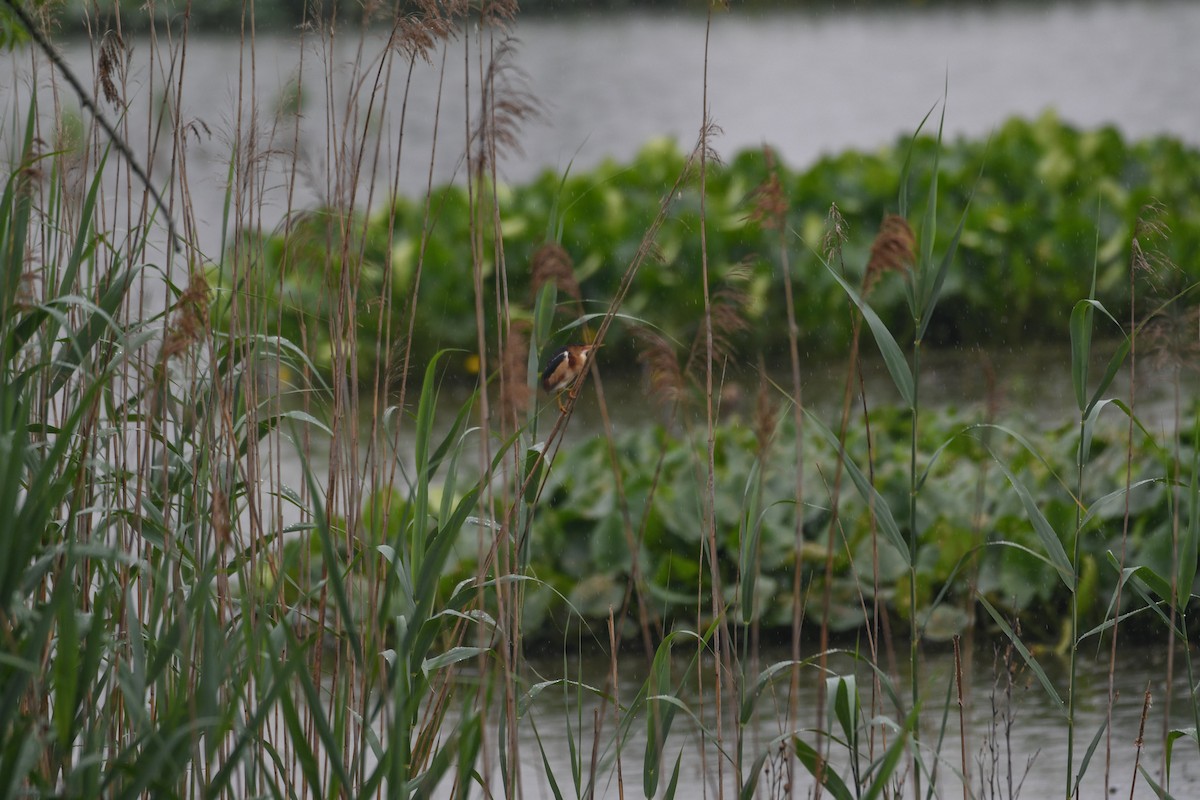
column 892, row 251
column 770, row 202
column 514, row 393
column 552, row 263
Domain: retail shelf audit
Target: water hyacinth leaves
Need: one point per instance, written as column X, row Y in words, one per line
column 1001, row 294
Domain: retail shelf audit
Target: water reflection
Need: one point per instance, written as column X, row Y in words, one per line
column 1037, row 736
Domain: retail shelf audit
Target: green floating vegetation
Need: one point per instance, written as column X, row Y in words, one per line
column 975, row 537
column 1046, row 202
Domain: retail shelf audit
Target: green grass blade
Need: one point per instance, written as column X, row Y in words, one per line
column 1087, row 756
column 1175, row 735
column 921, row 276
column 1041, row 526
column 1189, row 540
column 934, row 288
column 893, row 357
column 1159, row 791
column 886, row 766
column 887, row 522
column 1081, row 348
column 907, row 166
column 820, row 769
column 546, row 768
column 673, row 784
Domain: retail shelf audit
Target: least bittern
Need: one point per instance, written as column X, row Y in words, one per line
column 564, row 368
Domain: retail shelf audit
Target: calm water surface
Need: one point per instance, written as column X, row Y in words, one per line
column 1037, row 737
column 806, row 83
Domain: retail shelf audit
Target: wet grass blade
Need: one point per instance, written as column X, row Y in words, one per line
column 934, row 288
column 907, row 166
column 319, row 719
column 1087, row 756
column 673, row 784
column 661, row 715
column 546, row 768
column 1189, row 544
column 1081, row 328
column 1041, row 526
column 893, row 356
column 887, row 522
column 885, row 768
column 818, row 767
column 1159, row 791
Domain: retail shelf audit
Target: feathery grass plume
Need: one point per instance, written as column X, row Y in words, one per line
column 660, row 366
column 728, row 310
column 551, row 262
column 1171, row 337
column 894, row 250
column 514, row 387
column 1169, row 333
column 703, row 150
column 769, row 204
column 190, row 319
column 1148, row 260
column 506, row 104
column 499, row 13
column 112, row 60
column 417, row 34
column 766, row 411
column 395, row 375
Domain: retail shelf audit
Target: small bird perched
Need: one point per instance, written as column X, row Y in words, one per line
column 564, row 368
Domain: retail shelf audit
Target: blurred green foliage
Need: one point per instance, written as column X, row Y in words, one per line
column 1046, row 202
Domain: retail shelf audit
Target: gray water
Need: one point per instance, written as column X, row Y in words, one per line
column 806, row 83
column 1036, row 743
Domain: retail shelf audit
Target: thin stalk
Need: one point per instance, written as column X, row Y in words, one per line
column 962, row 725
column 1136, row 260
column 1074, row 627
column 913, row 629
column 1139, row 743
column 709, row 504
column 793, row 336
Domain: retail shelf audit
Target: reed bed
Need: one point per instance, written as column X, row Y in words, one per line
column 226, row 569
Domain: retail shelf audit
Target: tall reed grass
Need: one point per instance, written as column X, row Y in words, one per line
column 225, row 570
